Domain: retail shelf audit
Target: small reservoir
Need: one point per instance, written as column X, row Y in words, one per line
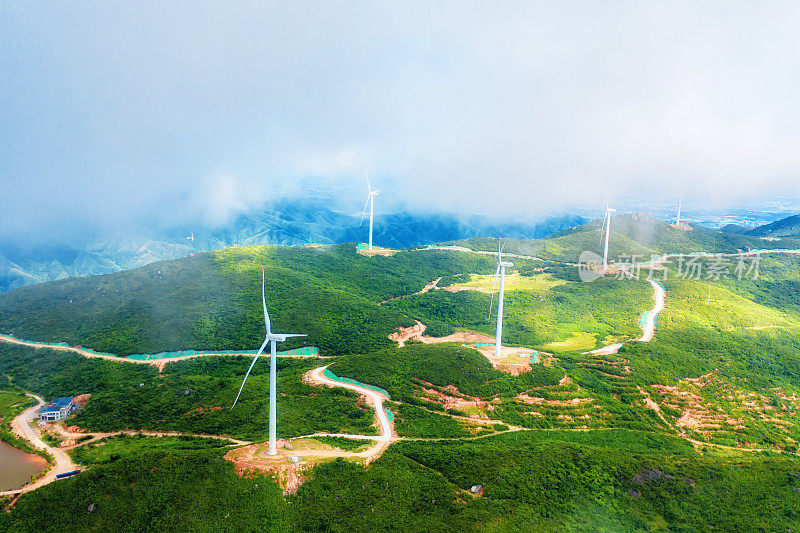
column 17, row 467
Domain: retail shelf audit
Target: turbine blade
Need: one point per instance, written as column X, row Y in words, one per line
column 494, row 285
column 364, row 211
column 603, row 227
column 264, row 304
column 258, row 354
column 369, row 186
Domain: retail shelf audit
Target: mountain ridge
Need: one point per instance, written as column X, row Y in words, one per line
column 285, row 222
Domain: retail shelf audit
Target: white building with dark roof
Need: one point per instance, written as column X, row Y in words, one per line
column 58, row 409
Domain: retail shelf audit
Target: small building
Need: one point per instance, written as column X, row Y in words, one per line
column 58, row 409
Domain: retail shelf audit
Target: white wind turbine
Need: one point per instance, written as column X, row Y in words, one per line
column 678, row 218
column 607, row 228
column 274, row 339
column 501, row 271
column 371, row 201
column 191, row 237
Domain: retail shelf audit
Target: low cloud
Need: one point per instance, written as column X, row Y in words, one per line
column 118, row 115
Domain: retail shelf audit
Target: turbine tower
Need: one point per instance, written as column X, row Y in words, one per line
column 501, row 271
column 607, row 228
column 371, row 201
column 678, row 218
column 274, row 339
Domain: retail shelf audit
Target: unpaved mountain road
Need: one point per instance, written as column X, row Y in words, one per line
column 649, row 328
column 159, row 363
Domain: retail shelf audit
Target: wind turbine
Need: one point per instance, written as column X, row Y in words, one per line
column 191, row 237
column 501, row 271
column 678, row 218
column 607, row 228
column 274, row 339
column 371, row 201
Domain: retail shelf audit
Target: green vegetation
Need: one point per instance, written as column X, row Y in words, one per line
column 12, row 402
column 174, row 491
column 189, row 396
column 401, row 371
column 343, row 443
column 542, row 312
column 724, row 371
column 412, row 421
column 112, row 449
column 212, row 301
column 635, row 233
column 532, row 481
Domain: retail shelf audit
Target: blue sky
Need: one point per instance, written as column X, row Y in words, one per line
column 125, row 114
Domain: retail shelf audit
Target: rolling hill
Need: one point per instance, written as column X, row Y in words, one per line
column 694, row 430
column 283, row 222
column 788, row 227
column 633, row 233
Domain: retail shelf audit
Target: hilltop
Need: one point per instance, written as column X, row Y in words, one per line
column 284, row 222
column 633, row 233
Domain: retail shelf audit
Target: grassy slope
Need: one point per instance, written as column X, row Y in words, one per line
column 212, row 301
column 12, row 402
column 191, row 396
column 540, row 481
column 538, row 314
column 631, row 234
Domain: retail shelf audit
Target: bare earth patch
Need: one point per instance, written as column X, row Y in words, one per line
column 385, row 252
column 513, row 360
column 308, row 453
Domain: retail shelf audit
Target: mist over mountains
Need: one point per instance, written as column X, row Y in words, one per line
column 285, row 222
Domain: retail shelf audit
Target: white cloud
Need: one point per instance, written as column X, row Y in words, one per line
column 505, row 108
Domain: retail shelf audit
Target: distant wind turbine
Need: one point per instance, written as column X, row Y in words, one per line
column 191, row 237
column 678, row 218
column 607, row 228
column 371, row 201
column 501, row 272
column 274, row 339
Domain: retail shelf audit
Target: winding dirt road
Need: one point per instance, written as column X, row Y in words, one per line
column 317, row 376
column 160, row 363
column 649, row 328
column 650, row 323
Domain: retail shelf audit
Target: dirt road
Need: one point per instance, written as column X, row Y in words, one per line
column 159, row 363
column 650, row 322
column 317, row 376
column 649, row 328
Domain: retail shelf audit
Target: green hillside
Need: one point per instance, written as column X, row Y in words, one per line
column 212, row 301
column 697, row 429
column 631, row 234
column 783, row 228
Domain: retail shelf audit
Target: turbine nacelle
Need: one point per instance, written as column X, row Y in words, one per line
column 281, row 337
